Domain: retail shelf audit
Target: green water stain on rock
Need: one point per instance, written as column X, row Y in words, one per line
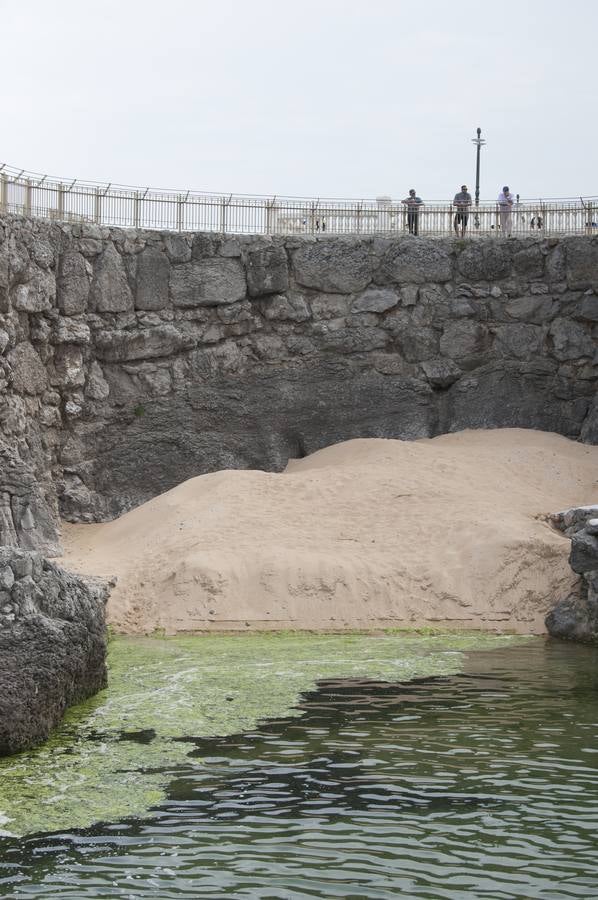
column 113, row 755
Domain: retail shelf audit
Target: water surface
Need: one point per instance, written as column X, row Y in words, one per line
column 481, row 782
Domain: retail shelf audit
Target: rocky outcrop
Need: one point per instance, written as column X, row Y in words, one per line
column 131, row 361
column 576, row 616
column 52, row 646
column 28, row 515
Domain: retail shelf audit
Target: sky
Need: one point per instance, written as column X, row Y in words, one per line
column 314, row 98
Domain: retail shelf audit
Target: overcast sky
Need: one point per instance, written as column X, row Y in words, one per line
column 329, row 98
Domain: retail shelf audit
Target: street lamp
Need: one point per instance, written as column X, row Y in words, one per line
column 479, row 142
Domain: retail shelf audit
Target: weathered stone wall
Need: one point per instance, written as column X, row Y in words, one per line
column 52, row 645
column 132, row 360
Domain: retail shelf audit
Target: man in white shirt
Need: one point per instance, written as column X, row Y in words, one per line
column 505, row 207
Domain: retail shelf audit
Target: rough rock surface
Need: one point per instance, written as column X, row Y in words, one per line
column 131, row 360
column 576, row 616
column 28, row 514
column 52, row 645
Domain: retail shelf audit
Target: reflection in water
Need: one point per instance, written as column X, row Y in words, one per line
column 483, row 784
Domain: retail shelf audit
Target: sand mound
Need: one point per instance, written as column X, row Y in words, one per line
column 368, row 533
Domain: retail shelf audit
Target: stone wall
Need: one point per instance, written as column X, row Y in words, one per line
column 133, row 360
column 52, row 645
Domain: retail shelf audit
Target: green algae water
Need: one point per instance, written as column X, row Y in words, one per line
column 315, row 766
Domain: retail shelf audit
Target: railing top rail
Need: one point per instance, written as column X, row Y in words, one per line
column 68, row 184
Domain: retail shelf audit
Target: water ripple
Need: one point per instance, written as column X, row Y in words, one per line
column 480, row 785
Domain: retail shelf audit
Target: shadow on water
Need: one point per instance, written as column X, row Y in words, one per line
column 479, row 784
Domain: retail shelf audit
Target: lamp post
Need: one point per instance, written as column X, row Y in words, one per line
column 479, row 142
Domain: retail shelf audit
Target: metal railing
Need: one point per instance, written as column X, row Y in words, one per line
column 29, row 194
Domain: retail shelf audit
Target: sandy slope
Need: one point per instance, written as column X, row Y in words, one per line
column 368, row 533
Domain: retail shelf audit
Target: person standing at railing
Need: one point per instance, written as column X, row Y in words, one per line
column 463, row 203
column 413, row 204
column 505, row 208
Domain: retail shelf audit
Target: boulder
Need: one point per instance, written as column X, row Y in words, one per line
column 571, row 340
column 519, row 341
column 441, row 373
column 486, row 260
column 464, row 338
column 576, row 616
column 588, row 308
column 72, row 288
column 110, row 291
column 153, row 274
column 374, row 300
column 68, row 330
column 291, row 307
column 143, row 343
column 267, row 271
column 529, row 262
column 334, row 266
column 573, row 619
column 35, row 295
column 415, row 261
column 29, row 374
column 534, row 309
column 584, row 552
column 207, row 282
column 52, row 646
column 582, row 263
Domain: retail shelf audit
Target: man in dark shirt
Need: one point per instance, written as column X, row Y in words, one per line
column 413, row 204
column 463, row 203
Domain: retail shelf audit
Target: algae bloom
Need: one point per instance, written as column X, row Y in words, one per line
column 114, row 755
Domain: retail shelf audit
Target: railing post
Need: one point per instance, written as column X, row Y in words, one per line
column 4, row 192
column 27, row 208
column 179, row 212
column 136, row 204
column 222, row 216
column 588, row 214
column 60, row 202
column 97, row 206
column 224, row 203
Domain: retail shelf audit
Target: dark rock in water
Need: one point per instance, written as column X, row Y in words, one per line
column 52, row 645
column 576, row 617
column 573, row 619
column 584, row 552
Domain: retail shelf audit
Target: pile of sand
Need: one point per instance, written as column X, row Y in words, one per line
column 368, row 533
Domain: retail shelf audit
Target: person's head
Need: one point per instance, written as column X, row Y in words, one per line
column 412, row 192
column 505, row 190
column 464, row 187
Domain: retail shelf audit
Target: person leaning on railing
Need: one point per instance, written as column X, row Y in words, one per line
column 413, row 204
column 463, row 203
column 505, row 206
